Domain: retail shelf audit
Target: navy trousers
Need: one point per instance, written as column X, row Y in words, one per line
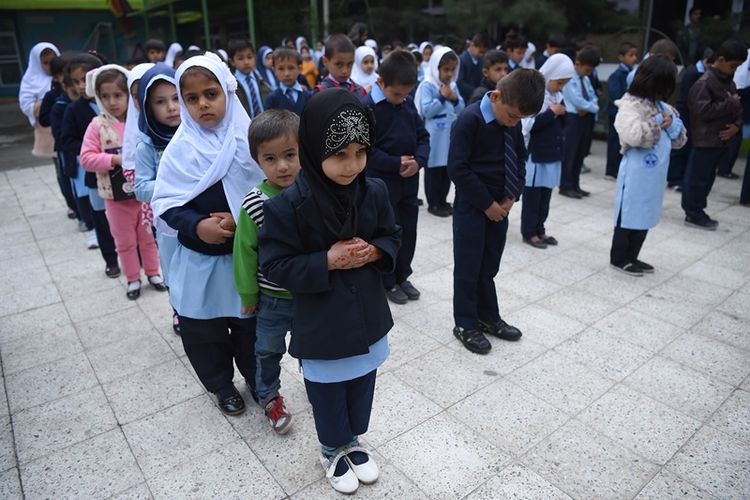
column 478, row 245
column 613, row 149
column 578, row 132
column 402, row 193
column 534, row 211
column 437, row 184
column 699, row 178
column 725, row 166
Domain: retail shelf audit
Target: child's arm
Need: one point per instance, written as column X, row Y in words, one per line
column 431, row 101
column 422, row 153
column 573, row 95
column 676, row 131
column 459, row 166
column 634, row 131
column 702, row 102
column 27, row 102
column 145, row 171
column 93, row 159
column 543, row 120
column 245, row 262
column 44, row 110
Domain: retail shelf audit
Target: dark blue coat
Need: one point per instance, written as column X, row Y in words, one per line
column 469, row 75
column 76, row 120
column 338, row 313
column 617, row 85
column 47, row 102
column 277, row 100
column 546, row 139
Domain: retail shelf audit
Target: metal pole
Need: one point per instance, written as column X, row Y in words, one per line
column 251, row 21
column 314, row 21
column 326, row 17
column 172, row 21
column 649, row 18
column 206, row 25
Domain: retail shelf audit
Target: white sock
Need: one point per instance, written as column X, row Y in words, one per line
column 155, row 280
column 134, row 285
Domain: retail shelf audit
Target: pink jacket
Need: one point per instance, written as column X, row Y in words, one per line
column 93, row 158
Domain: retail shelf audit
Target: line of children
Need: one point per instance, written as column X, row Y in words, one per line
column 494, row 69
column 617, row 85
column 289, row 94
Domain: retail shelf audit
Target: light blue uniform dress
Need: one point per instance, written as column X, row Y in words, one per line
column 642, row 179
column 439, row 115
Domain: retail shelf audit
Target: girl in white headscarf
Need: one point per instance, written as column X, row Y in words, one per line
column 364, row 72
column 204, row 174
column 131, row 122
column 543, row 135
column 172, row 51
column 36, row 81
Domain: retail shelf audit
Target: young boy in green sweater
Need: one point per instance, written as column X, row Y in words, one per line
column 273, row 144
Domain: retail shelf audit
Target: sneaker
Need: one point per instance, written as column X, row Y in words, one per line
column 473, row 340
column 112, row 271
column 277, row 415
column 646, row 268
column 82, row 227
column 91, row 242
column 702, row 221
column 629, row 268
column 396, row 295
column 339, row 474
column 362, row 464
column 500, row 329
column 410, row 290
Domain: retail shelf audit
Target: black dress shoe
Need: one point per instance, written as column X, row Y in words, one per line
column 396, row 295
column 112, row 271
column 233, row 404
column 583, row 193
column 500, row 329
column 701, row 221
column 410, row 290
column 550, row 240
column 646, row 268
column 440, row 211
column 729, row 175
column 571, row 193
column 535, row 243
column 473, row 340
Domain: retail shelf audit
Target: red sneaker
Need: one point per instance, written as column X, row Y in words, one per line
column 279, row 418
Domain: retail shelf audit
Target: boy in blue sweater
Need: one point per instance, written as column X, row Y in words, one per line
column 616, row 87
column 486, row 162
column 402, row 146
column 290, row 94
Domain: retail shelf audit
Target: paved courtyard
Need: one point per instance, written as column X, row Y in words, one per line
column 620, row 388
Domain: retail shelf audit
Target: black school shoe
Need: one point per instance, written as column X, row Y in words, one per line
column 629, row 268
column 571, row 193
column 410, row 290
column 112, row 271
column 702, row 221
column 230, row 402
column 440, row 211
column 396, row 295
column 729, row 175
column 473, row 340
column 583, row 193
column 500, row 329
column 646, row 268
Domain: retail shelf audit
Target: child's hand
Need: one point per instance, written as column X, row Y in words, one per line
column 209, row 230
column 507, row 204
column 117, row 160
column 496, row 212
column 409, row 167
column 349, row 254
column 667, row 120
column 557, row 109
column 245, row 311
column 582, row 112
column 728, row 132
column 227, row 221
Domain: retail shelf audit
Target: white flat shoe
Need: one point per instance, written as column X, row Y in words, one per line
column 368, row 472
column 348, row 483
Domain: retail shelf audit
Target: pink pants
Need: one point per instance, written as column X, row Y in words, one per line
column 131, row 238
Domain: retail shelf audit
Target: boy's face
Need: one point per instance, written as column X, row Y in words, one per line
column 204, row 98
column 155, row 55
column 287, row 71
column 551, row 50
column 516, row 54
column 583, row 69
column 446, row 72
column 629, row 58
column 279, row 160
column 476, row 51
column 726, row 67
column 244, row 61
column 496, row 72
column 78, row 78
column 505, row 114
column 395, row 94
column 340, row 65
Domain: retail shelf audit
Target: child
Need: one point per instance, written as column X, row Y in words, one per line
column 338, row 60
column 494, row 69
column 131, row 122
column 426, row 49
column 155, row 50
column 204, row 175
column 273, row 144
column 581, row 108
column 265, row 70
column 486, row 162
column 101, row 152
column 648, row 129
column 616, row 87
column 289, row 94
column 309, row 68
column 515, row 46
column 470, row 71
column 36, row 82
column 544, row 136
column 715, row 118
column 174, row 49
column 365, row 70
column 554, row 44
column 327, row 239
column 401, row 148
column 439, row 103
column 251, row 90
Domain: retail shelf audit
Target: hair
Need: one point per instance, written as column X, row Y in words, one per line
column 356, row 33
column 57, row 66
column 523, row 89
column 709, row 55
column 269, row 125
column 589, row 55
column 47, row 52
column 626, row 47
column 418, row 58
column 112, row 76
column 338, row 44
column 237, row 44
column 481, row 40
column 655, row 79
column 399, row 68
column 154, row 44
column 283, row 53
column 666, row 48
column 492, row 57
column 84, row 61
column 732, row 50
column 448, row 57
column 556, row 40
column 515, row 42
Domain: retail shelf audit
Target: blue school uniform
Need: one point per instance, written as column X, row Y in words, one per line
column 579, row 95
column 545, row 151
column 439, row 115
column 469, row 75
column 290, row 98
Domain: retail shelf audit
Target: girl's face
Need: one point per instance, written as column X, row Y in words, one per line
column 134, row 94
column 557, row 85
column 114, row 99
column 344, row 166
column 305, row 54
column 204, row 98
column 78, row 77
column 164, row 104
column 46, row 59
column 368, row 64
column 426, row 54
column 447, row 71
column 268, row 60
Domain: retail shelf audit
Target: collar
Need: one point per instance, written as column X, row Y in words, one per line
column 625, row 67
column 512, row 64
column 338, row 83
column 242, row 77
column 486, row 108
column 473, row 59
column 377, row 94
column 296, row 87
column 700, row 67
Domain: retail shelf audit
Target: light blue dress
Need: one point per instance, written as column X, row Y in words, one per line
column 439, row 115
column 340, row 370
column 546, row 175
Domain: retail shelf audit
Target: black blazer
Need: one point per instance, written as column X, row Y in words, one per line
column 546, row 139
column 277, row 100
column 339, row 313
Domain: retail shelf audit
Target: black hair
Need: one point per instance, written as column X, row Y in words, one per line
column 46, row 52
column 338, row 44
column 732, row 50
column 666, row 48
column 417, row 56
column 57, row 66
column 709, row 55
column 589, row 56
column 269, row 125
column 357, row 32
column 82, row 60
column 448, row 57
column 515, row 42
column 655, row 79
column 112, row 76
column 154, row 44
column 523, row 89
column 626, row 47
column 693, row 9
column 281, row 53
column 556, row 40
column 198, row 70
column 399, row 68
column 492, row 57
column 481, row 40
column 237, row 44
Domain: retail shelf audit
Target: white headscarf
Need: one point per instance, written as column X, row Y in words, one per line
column 423, row 46
column 173, row 50
column 198, row 157
column 299, row 42
column 223, row 54
column 358, row 74
column 557, row 67
column 432, row 74
column 91, row 78
column 371, row 43
column 742, row 74
column 131, row 122
column 36, row 82
column 528, row 61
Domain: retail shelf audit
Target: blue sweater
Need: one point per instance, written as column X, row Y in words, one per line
column 476, row 160
column 399, row 131
column 277, row 100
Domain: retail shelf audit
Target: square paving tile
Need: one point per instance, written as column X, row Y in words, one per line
column 22, row 352
column 435, row 320
column 726, row 328
column 666, row 485
column 130, row 355
column 673, row 308
column 24, row 324
column 544, row 326
column 640, row 329
column 406, row 343
column 733, row 417
column 580, row 305
column 114, row 327
column 459, row 460
column 25, row 299
column 519, row 483
column 139, row 492
column 7, row 452
column 721, row 361
column 10, row 485
column 737, row 305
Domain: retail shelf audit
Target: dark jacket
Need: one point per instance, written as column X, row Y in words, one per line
column 617, row 85
column 546, row 138
column 339, row 313
column 56, row 115
column 399, row 131
column 265, row 90
column 469, row 75
column 479, row 92
column 47, row 102
column 712, row 108
column 277, row 100
column 689, row 77
column 76, row 120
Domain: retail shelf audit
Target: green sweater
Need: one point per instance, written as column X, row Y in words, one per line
column 248, row 279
